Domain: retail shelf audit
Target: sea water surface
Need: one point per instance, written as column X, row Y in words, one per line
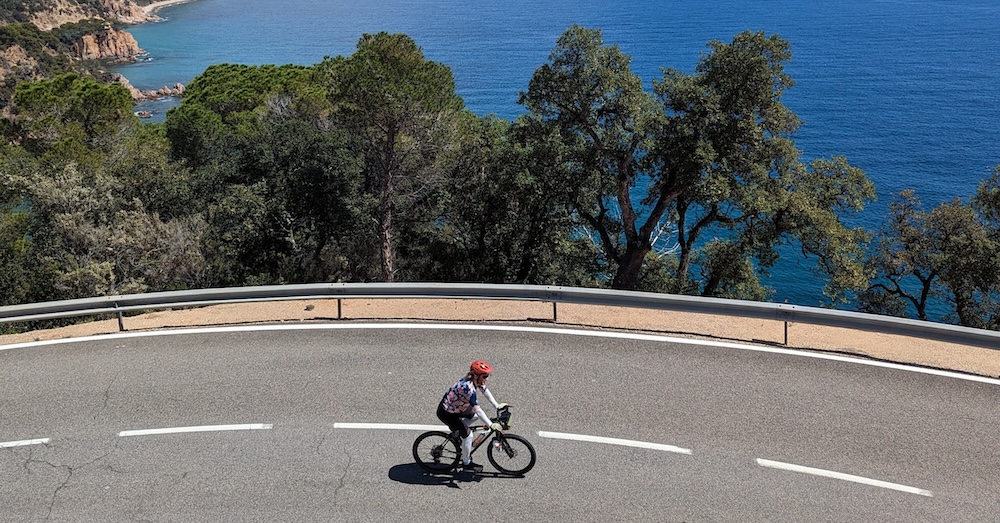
column 908, row 90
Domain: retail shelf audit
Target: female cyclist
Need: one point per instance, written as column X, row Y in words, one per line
column 459, row 408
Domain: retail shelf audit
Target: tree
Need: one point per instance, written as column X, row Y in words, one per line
column 78, row 168
column 950, row 254
column 206, row 125
column 90, row 242
column 706, row 153
column 310, row 178
column 71, row 118
column 17, row 279
column 589, row 99
column 500, row 222
column 47, row 56
column 971, row 265
column 904, row 252
column 140, row 161
column 402, row 107
column 986, row 205
column 277, row 182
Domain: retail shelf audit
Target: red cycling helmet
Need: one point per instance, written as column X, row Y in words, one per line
column 480, row 367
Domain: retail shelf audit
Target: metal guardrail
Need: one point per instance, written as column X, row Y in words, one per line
column 606, row 297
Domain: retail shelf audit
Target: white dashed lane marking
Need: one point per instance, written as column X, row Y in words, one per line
column 841, row 476
column 203, row 428
column 614, row 441
column 541, row 330
column 24, row 442
column 389, row 426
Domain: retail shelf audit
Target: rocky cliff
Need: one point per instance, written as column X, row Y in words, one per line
column 59, row 12
column 15, row 61
column 88, row 46
column 112, row 45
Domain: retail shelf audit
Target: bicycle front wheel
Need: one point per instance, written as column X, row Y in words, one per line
column 512, row 454
column 436, row 451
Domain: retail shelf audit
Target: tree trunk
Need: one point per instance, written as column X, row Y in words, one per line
column 683, row 268
column 631, row 265
column 385, row 229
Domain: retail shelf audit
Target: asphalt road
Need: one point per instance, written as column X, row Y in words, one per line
column 772, row 436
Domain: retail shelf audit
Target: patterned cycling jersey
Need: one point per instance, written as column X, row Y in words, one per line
column 460, row 398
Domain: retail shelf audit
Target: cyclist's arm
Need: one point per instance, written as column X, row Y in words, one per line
column 481, row 414
column 489, row 396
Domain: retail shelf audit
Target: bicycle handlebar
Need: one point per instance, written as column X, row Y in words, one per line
column 503, row 417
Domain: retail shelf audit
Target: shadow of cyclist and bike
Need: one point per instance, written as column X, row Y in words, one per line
column 413, row 474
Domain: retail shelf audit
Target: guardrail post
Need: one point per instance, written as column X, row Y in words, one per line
column 555, row 315
column 339, row 300
column 121, row 324
column 786, row 333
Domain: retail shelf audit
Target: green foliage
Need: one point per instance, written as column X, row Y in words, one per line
column 70, row 117
column 500, row 223
column 230, row 89
column 402, row 109
column 21, row 10
column 276, row 182
column 91, row 242
column 140, row 161
column 707, row 154
column 47, row 57
column 28, row 36
column 588, row 104
column 729, row 272
column 986, row 201
column 951, row 252
column 17, row 275
column 205, row 126
column 49, row 53
column 78, row 168
column 366, row 167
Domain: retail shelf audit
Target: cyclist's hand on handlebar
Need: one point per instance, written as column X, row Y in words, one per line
column 496, row 426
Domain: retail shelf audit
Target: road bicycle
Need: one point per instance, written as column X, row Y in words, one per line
column 439, row 452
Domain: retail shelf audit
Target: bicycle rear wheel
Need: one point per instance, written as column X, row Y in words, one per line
column 436, row 451
column 512, row 454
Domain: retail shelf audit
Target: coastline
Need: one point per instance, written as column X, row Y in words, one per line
column 156, row 6
column 153, row 94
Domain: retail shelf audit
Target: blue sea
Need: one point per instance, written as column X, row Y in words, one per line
column 908, row 90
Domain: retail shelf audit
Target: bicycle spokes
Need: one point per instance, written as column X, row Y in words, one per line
column 511, row 454
column 507, row 449
column 436, row 451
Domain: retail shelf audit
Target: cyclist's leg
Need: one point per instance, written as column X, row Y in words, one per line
column 468, row 439
column 460, row 425
column 454, row 421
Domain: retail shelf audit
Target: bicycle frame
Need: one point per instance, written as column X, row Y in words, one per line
column 512, row 454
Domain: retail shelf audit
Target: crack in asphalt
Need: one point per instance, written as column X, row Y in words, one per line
column 341, row 482
column 107, row 394
column 322, row 441
column 69, row 470
column 343, row 476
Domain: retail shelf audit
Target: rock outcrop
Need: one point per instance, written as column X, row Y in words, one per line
column 112, row 45
column 107, row 45
column 152, row 94
column 65, row 11
column 14, row 60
